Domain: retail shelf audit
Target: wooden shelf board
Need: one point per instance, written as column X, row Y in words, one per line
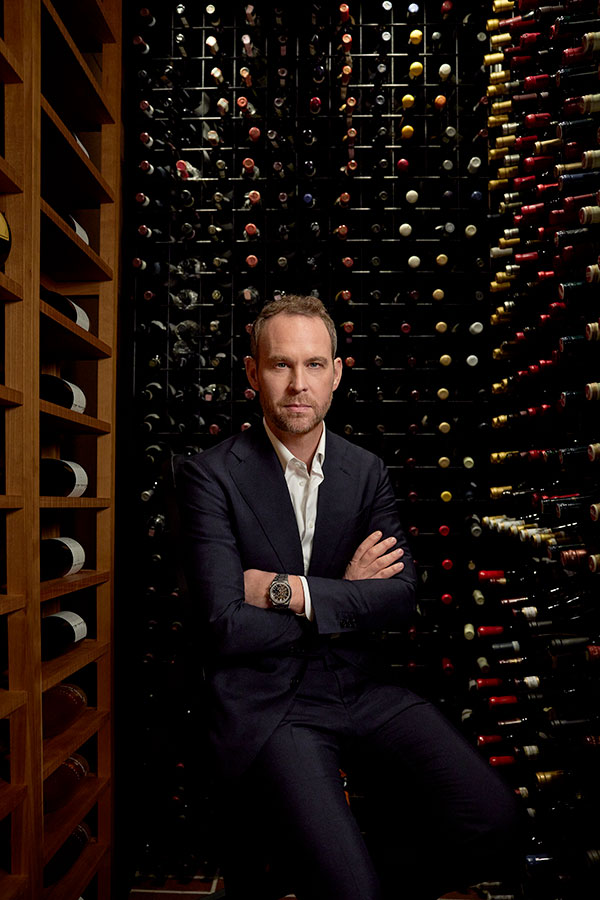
column 11, row 602
column 10, row 67
column 84, row 102
column 61, row 333
column 64, row 256
column 57, row 587
column 59, row 825
column 10, row 397
column 75, row 502
column 59, row 747
column 10, row 180
column 9, row 702
column 64, row 666
column 10, row 502
column 89, row 15
column 79, row 875
column 9, row 290
column 11, row 795
column 12, row 887
column 72, row 421
column 82, row 185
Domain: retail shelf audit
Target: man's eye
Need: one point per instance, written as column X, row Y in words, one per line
column 315, row 365
column 280, row 365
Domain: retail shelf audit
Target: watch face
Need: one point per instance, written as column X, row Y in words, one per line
column 280, row 593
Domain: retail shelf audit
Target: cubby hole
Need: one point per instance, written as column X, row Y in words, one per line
column 6, row 845
column 83, row 603
column 79, row 448
column 81, row 372
column 2, row 543
column 75, row 523
column 68, row 854
column 5, row 773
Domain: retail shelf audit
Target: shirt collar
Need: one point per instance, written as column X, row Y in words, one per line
column 285, row 456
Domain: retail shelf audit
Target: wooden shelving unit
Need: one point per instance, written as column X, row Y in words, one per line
column 60, row 156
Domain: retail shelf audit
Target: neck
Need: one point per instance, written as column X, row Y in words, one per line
column 303, row 446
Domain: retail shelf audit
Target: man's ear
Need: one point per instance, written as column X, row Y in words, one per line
column 251, row 373
column 337, row 371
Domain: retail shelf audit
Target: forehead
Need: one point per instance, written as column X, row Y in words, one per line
column 296, row 332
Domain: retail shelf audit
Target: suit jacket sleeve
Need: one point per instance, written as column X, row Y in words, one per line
column 215, row 576
column 342, row 606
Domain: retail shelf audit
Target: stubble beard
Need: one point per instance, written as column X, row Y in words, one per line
column 295, row 423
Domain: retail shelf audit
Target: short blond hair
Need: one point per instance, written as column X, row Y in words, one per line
column 292, row 305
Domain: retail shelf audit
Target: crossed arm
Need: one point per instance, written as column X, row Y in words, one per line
column 373, row 558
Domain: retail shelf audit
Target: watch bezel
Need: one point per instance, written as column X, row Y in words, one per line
column 280, row 592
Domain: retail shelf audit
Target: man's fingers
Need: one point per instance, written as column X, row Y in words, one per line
column 366, row 545
column 390, row 570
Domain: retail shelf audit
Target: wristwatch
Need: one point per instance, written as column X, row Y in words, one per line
column 280, row 592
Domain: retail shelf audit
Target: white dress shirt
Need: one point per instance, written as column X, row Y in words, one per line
column 304, row 493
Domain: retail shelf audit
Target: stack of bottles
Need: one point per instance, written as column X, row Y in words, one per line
column 533, row 625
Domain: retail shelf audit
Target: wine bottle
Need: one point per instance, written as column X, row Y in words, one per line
column 62, row 478
column 60, row 631
column 63, row 393
column 61, row 705
column 66, row 306
column 61, row 785
column 59, row 557
column 67, row 855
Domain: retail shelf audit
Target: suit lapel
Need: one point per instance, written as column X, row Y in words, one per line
column 260, row 479
column 336, row 494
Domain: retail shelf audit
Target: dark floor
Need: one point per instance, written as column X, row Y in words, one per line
column 199, row 886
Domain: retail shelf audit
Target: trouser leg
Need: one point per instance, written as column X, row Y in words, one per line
column 418, row 763
column 328, row 858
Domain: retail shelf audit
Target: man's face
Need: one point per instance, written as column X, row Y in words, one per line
column 295, row 374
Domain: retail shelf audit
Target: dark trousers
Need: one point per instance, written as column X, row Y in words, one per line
column 439, row 817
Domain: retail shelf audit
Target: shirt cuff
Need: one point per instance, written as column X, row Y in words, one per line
column 308, row 610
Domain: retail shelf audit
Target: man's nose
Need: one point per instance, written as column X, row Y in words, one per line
column 297, row 379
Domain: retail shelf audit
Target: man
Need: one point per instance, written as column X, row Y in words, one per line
column 294, row 555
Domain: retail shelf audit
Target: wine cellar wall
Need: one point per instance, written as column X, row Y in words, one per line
column 60, row 161
column 430, row 171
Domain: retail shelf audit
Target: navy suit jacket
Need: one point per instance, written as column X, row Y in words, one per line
column 236, row 515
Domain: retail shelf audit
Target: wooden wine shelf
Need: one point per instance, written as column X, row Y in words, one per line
column 8, row 502
column 10, row 603
column 10, row 397
column 72, row 421
column 10, row 180
column 82, row 184
column 65, row 257
column 67, row 80
column 11, row 796
column 79, row 876
column 12, row 887
column 9, row 702
column 67, row 56
column 9, row 289
column 72, row 341
column 62, row 745
column 64, row 666
column 86, row 20
column 59, row 825
column 74, row 502
column 58, row 587
column 10, row 67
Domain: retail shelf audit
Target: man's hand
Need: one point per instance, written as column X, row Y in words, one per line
column 374, row 558
column 256, row 587
column 256, row 590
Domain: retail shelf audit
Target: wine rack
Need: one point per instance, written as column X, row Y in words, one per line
column 60, row 136
column 359, row 141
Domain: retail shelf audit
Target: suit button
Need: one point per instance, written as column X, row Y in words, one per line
column 294, row 682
